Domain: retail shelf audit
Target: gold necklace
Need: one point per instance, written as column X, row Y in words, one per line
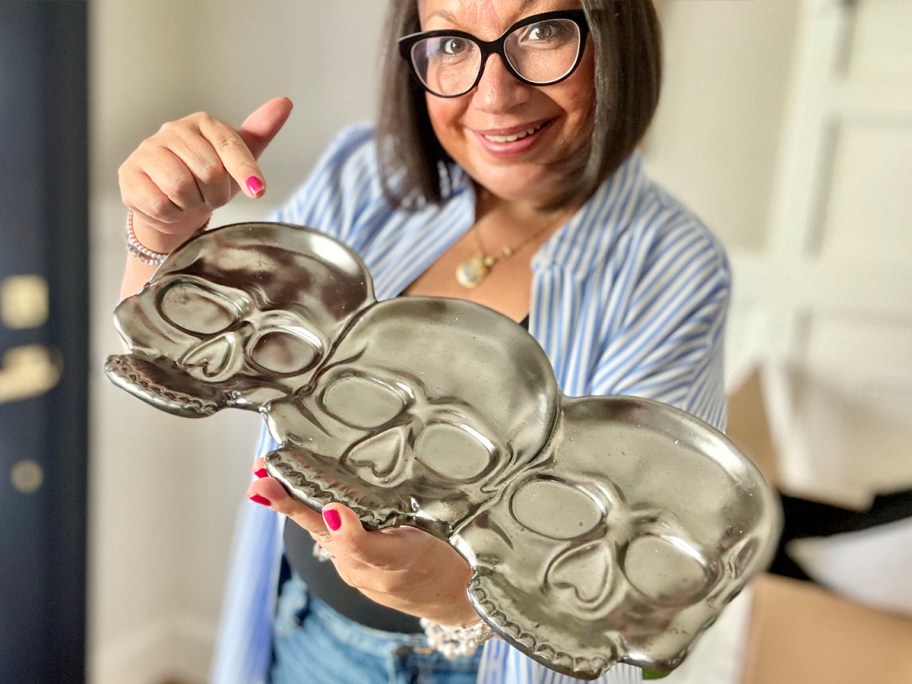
column 472, row 272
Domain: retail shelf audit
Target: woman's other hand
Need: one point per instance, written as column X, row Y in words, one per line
column 402, row 568
column 176, row 178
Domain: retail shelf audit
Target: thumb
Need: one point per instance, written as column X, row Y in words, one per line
column 262, row 125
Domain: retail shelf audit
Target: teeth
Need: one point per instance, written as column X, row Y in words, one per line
column 514, row 137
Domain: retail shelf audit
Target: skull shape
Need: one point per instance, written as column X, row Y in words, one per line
column 625, row 545
column 426, row 408
column 599, row 529
column 238, row 316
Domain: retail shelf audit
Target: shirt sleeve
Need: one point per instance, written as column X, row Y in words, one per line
column 669, row 344
column 243, row 649
column 341, row 189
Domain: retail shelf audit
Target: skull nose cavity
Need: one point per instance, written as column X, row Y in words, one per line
column 215, row 359
column 585, row 571
column 379, row 459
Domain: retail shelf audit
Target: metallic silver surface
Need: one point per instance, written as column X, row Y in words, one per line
column 599, row 529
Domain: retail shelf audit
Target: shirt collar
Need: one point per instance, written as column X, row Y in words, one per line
column 582, row 241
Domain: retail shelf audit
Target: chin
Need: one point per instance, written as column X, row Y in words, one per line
column 518, row 188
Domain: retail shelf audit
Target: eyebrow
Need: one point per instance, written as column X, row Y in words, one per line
column 443, row 14
column 450, row 17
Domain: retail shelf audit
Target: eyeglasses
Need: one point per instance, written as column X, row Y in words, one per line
column 541, row 49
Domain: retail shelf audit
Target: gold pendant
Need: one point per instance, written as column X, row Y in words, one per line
column 471, row 273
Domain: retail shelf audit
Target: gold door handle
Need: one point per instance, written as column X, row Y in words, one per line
column 23, row 301
column 27, row 372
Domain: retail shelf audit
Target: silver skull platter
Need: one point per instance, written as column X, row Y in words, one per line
column 599, row 529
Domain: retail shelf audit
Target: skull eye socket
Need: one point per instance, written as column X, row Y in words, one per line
column 667, row 570
column 197, row 310
column 454, row 453
column 284, row 353
column 556, row 509
column 362, row 402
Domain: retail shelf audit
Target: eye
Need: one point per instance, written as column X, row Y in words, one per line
column 667, row 570
column 197, row 310
column 361, row 402
column 553, row 32
column 446, row 49
column 284, row 353
column 453, row 46
column 454, row 453
column 555, row 509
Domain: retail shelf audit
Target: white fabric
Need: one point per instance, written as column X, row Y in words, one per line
column 872, row 566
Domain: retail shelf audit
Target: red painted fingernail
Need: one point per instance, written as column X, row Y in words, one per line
column 333, row 519
column 255, row 185
column 261, row 473
column 256, row 498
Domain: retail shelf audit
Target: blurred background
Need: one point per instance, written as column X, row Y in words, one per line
column 785, row 124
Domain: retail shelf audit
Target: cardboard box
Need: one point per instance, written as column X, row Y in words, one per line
column 800, row 632
column 803, row 634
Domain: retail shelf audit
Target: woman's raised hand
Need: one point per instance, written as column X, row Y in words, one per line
column 176, row 178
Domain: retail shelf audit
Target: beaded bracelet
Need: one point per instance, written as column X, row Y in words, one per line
column 456, row 642
column 140, row 251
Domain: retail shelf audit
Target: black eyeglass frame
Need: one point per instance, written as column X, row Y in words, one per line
column 496, row 47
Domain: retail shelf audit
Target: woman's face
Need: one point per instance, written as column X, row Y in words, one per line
column 514, row 139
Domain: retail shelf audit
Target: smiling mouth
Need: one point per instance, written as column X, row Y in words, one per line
column 514, row 136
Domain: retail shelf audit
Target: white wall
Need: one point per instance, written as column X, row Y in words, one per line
column 715, row 138
column 165, row 490
column 717, row 135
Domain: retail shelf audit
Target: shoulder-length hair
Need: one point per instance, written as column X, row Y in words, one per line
column 628, row 70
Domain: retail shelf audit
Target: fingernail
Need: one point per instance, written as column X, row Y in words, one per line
column 255, row 185
column 333, row 519
column 261, row 473
column 256, row 498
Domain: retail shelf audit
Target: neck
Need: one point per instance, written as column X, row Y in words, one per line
column 504, row 221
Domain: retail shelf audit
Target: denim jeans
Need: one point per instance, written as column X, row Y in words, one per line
column 313, row 644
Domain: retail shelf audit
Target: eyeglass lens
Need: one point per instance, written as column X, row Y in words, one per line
column 541, row 53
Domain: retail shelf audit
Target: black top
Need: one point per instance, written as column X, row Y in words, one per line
column 324, row 582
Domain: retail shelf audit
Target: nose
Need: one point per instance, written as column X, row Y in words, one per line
column 218, row 358
column 382, row 459
column 498, row 90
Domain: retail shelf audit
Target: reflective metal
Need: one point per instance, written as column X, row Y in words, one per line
column 599, row 529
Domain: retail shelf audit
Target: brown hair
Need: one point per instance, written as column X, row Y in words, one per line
column 628, row 66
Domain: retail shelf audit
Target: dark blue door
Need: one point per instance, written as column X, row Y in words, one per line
column 43, row 340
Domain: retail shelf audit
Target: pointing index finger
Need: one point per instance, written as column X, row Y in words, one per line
column 235, row 156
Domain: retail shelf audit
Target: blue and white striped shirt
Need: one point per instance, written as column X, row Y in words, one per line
column 628, row 298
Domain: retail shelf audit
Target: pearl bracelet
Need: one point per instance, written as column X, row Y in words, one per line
column 456, row 642
column 140, row 251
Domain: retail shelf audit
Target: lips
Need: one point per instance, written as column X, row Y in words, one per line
column 513, row 137
column 511, row 141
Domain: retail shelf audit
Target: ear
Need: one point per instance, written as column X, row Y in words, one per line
column 165, row 386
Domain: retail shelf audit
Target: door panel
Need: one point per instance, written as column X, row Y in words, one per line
column 43, row 341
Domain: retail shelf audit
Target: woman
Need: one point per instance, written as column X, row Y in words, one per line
column 502, row 171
